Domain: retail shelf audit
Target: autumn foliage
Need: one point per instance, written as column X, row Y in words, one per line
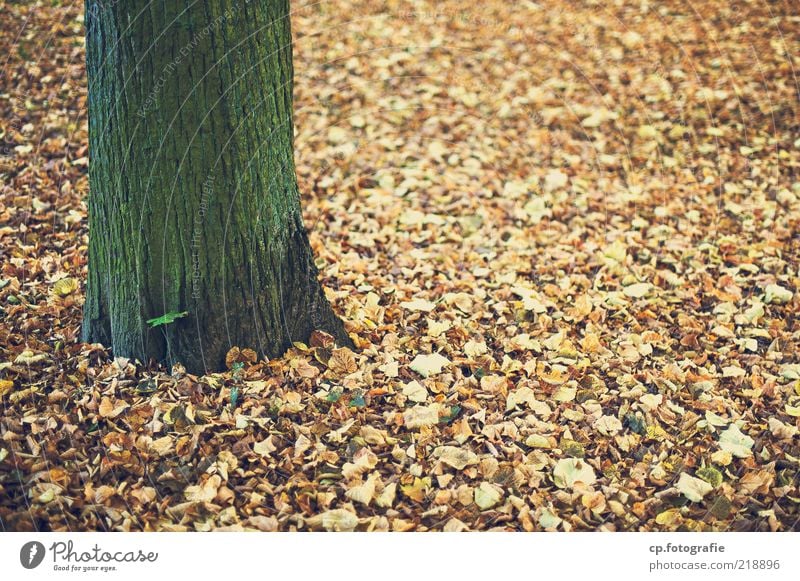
column 562, row 235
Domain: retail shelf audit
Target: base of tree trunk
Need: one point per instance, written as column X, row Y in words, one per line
column 201, row 339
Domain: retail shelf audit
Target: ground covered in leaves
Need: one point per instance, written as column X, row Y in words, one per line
column 563, row 236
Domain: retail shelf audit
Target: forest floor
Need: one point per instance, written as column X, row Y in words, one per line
column 562, row 234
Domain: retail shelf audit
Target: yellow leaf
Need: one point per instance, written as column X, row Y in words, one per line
column 6, row 385
column 638, row 290
column 204, row 492
column 415, row 392
column 386, row 498
column 363, row 461
column 616, row 251
column 693, row 488
column 656, row 433
column 338, row 519
column 106, row 407
column 591, row 343
column 420, row 416
column 670, row 518
column 648, row 132
column 583, row 306
column 364, row 493
column 569, row 471
column 162, row 446
column 65, row 287
column 419, row 305
column 417, row 490
column 28, row 357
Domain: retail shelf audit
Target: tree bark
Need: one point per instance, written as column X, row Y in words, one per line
column 193, row 203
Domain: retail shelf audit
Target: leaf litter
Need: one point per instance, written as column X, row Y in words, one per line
column 570, row 270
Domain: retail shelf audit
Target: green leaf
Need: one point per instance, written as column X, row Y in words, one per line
column 334, row 395
column 721, row 508
column 572, row 449
column 147, row 385
column 634, row 423
column 358, row 400
column 166, row 319
column 710, row 475
column 453, row 414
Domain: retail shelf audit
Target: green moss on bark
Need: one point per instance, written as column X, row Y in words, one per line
column 193, row 202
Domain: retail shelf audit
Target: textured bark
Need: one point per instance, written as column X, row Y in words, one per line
column 193, row 202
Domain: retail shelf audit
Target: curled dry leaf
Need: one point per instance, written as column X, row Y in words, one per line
column 65, row 287
column 205, row 492
column 342, row 362
column 236, row 355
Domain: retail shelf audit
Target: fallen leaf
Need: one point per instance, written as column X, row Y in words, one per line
column 487, row 496
column 265, row 447
column 734, row 441
column 342, row 362
column 363, row 493
column 421, row 416
column 570, row 471
column 458, row 458
column 637, row 290
column 336, row 520
column 693, row 488
column 205, row 492
column 6, row 385
column 415, row 392
column 777, row 295
column 419, row 305
column 608, row 425
column 65, row 287
column 427, row 365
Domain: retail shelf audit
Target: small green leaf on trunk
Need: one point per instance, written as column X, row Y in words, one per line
column 166, row 319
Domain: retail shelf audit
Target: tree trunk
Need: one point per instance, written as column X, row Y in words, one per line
column 193, row 203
